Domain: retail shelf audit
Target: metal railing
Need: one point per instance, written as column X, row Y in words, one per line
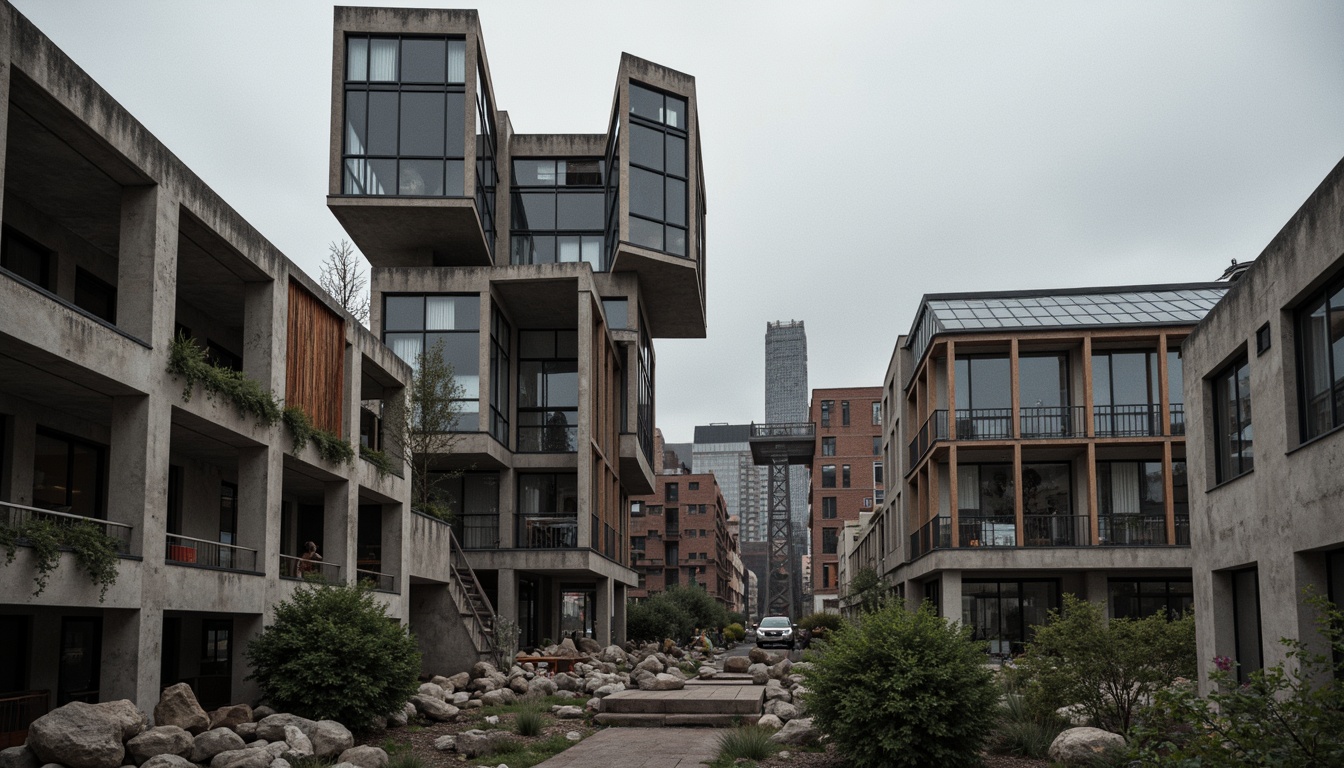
column 547, row 532
column 985, row 424
column 932, row 430
column 18, row 711
column 1177, row 418
column 380, row 582
column 1142, row 420
column 796, row 429
column 1053, row 421
column 185, row 550
column 477, row 531
column 1182, row 531
column 470, row 597
column 672, row 531
column 1132, row 530
column 297, row 568
column 985, row 530
column 1056, row 530
column 16, row 515
column 935, row 534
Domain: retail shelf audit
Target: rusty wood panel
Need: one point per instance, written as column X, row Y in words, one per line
column 315, row 360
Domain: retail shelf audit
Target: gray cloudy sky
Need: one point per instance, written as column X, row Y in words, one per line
column 857, row 155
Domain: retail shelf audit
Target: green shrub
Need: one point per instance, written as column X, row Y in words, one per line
column 705, row 611
column 734, row 632
column 328, row 445
column 821, row 623
column 903, row 689
column 528, row 723
column 1290, row 714
column 751, row 742
column 1107, row 667
column 380, row 460
column 657, row 618
column 334, row 654
column 1021, row 732
column 187, row 360
column 405, row 760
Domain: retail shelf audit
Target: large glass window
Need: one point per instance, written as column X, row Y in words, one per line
column 404, row 116
column 499, row 377
column 644, row 405
column 828, row 476
column 1003, row 613
column 1043, row 391
column 828, row 510
column 473, row 498
column 1124, row 393
column 26, row 258
column 487, row 173
column 1047, row 489
column 1321, row 359
column 830, row 541
column 1234, row 445
column 413, row 325
column 1131, row 503
column 984, row 398
column 658, row 195
column 548, row 391
column 986, row 498
column 1246, row 622
column 558, row 208
column 69, row 474
column 828, row 446
column 548, row 511
column 1139, row 598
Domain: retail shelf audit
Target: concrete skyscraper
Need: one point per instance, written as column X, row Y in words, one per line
column 786, row 401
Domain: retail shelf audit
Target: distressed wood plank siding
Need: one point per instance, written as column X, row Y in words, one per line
column 315, row 362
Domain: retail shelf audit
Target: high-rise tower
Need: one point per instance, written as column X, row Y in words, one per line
column 786, row 402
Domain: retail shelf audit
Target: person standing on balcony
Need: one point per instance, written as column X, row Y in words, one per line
column 309, row 559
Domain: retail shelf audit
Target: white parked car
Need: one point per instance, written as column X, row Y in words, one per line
column 775, row 630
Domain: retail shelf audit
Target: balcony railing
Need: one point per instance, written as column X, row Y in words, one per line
column 1056, row 530
column 1053, row 421
column 1134, row 530
column 935, row 534
column 931, row 431
column 184, row 550
column 1182, row 531
column 984, row 424
column 379, row 582
column 672, row 531
column 985, row 530
column 548, row 532
column 297, row 568
column 477, row 531
column 1143, row 420
column 18, row 711
column 1177, row 418
column 798, row 429
column 16, row 515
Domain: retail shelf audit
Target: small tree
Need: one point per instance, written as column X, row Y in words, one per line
column 333, row 653
column 867, row 588
column 658, row 618
column 1109, row 668
column 425, row 427
column 903, row 688
column 705, row 611
column 344, row 279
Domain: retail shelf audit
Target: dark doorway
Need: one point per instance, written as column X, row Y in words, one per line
column 170, row 659
column 81, row 660
column 309, row 527
column 15, row 632
column 216, row 679
column 527, row 613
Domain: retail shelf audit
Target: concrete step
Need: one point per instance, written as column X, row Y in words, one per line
column 674, row 721
column 731, row 700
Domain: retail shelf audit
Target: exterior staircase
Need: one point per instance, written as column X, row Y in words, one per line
column 715, row 703
column 478, row 615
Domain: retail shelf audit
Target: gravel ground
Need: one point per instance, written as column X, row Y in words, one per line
column 422, row 738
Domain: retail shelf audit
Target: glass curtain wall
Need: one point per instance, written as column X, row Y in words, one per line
column 548, row 391
column 404, row 116
column 1047, row 507
column 1321, row 354
column 500, row 338
column 658, row 170
column 557, row 212
column 1131, row 503
column 548, row 511
column 487, row 173
column 984, row 393
column 1043, row 392
column 986, row 498
column 1125, row 394
column 1234, row 438
column 473, row 498
column 1003, row 613
column 413, row 325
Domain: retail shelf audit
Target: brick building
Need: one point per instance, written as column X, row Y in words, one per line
column 679, row 535
column 846, row 477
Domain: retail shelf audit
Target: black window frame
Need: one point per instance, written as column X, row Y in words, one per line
column 844, row 413
column 826, row 407
column 1312, row 425
column 1243, row 669
column 500, row 369
column 830, row 540
column 520, row 237
column 1169, row 598
column 828, row 476
column 101, row 471
column 678, row 132
column 95, row 295
column 828, row 446
column 468, row 420
column 877, row 413
column 1225, row 469
column 829, row 508
column 546, row 430
column 9, row 236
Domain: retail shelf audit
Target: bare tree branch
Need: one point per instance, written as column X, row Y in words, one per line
column 344, row 279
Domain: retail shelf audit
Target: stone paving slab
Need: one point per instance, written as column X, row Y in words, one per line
column 640, row 748
column 700, row 699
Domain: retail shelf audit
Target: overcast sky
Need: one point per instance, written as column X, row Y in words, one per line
column 857, row 155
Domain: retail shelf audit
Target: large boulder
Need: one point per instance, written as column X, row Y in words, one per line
column 541, row 686
column 706, row 673
column 565, row 682
column 212, row 742
column 446, row 743
column 759, row 673
column 178, row 706
column 613, row 654
column 78, row 735
column 609, row 689
column 163, row 740
column 1083, row 746
column 661, row 682
column 495, row 698
column 770, row 721
column 475, row 743
column 124, row 711
column 364, row 757
column 247, row 730
column 231, row 716
column 433, row 690
column 19, row 757
column 169, row 761
column 330, row 738
column 566, row 649
column 780, row 671
column 736, row 664
column 568, row 712
column 298, row 742
column 798, row 732
column 518, row 685
column 459, row 680
column 482, row 669
column 759, row 656
column 775, row 691
column 435, row 709
column 272, row 728
column 589, row 646
column 651, row 664
column 781, row 709
column 243, row 758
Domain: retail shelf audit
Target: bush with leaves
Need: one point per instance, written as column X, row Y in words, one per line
column 867, row 589
column 1289, row 715
column 821, row 624
column 334, row 654
column 734, row 632
column 1108, row 668
column 657, row 618
column 189, row 361
column 706, row 612
column 95, row 552
column 902, row 688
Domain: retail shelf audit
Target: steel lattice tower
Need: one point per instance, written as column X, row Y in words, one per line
column 779, row 446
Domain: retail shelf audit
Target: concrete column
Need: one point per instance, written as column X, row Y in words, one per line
column 18, row 466
column 340, row 526
column 603, row 609
column 619, row 602
column 138, row 472
column 259, row 483
column 132, row 647
column 6, row 56
column 265, row 326
column 147, row 264
column 1094, row 585
column 588, row 494
column 508, row 508
column 506, row 599
column 350, row 402
column 392, row 519
column 246, row 628
column 950, row 595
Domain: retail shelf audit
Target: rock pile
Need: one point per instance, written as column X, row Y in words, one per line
column 115, row 734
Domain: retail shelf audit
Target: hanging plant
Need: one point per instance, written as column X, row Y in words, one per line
column 380, row 461
column 188, row 361
column 94, row 550
column 330, row 447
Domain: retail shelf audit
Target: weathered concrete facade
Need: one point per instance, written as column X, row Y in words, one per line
column 112, row 250
column 1268, row 528
column 547, row 277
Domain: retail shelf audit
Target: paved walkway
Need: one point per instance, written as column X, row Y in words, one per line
column 641, row 748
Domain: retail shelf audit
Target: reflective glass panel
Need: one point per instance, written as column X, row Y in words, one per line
column 422, row 123
column 382, row 135
column 648, row 234
column 579, row 210
column 646, row 147
column 646, row 194
column 646, row 103
column 404, row 313
column 422, row 60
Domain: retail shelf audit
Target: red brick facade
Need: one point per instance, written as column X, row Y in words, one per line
column 679, row 535
column 844, row 483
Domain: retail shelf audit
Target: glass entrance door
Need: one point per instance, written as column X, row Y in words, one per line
column 81, row 657
column 577, row 612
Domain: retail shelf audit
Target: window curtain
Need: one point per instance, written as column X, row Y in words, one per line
column 968, row 488
column 457, row 61
column 383, row 60
column 406, row 347
column 440, row 313
column 1124, row 488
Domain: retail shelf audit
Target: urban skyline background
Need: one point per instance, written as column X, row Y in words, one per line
column 855, row 158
